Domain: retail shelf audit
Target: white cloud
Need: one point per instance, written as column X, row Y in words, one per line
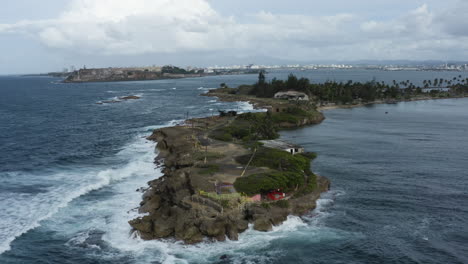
column 142, row 26
column 122, row 27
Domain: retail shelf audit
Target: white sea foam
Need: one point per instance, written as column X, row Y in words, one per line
column 171, row 123
column 23, row 212
column 117, row 99
column 204, row 89
column 109, row 217
column 242, row 251
column 248, row 107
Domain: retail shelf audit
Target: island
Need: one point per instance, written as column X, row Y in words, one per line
column 224, row 172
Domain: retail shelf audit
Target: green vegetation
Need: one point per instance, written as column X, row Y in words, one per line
column 265, row 182
column 248, row 127
column 293, row 115
column 309, row 187
column 349, row 92
column 177, row 70
column 262, row 126
column 278, row 160
column 221, row 135
column 290, row 172
column 208, row 169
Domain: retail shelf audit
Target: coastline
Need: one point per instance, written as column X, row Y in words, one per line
column 427, row 98
column 261, row 103
column 128, row 75
column 183, row 204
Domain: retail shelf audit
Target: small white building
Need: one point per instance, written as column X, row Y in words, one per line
column 283, row 145
column 292, row 95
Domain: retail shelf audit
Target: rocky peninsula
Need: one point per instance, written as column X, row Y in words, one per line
column 219, row 177
column 223, row 173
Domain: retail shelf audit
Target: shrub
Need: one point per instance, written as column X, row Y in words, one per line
column 225, row 203
column 237, row 131
column 209, row 169
column 265, row 182
column 285, row 117
column 309, row 155
column 278, row 160
column 223, row 137
column 309, row 187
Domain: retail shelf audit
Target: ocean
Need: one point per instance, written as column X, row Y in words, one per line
column 71, row 170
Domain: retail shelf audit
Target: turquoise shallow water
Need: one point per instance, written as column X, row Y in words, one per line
column 69, row 170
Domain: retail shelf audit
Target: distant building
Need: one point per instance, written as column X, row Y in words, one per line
column 292, row 95
column 283, row 145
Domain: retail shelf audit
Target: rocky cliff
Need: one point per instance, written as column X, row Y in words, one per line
column 177, row 205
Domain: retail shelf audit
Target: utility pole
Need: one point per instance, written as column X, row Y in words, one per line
column 251, row 158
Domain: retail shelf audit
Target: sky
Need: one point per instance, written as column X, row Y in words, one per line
column 49, row 35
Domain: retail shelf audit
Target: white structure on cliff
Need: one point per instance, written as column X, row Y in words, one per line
column 292, row 95
column 283, row 145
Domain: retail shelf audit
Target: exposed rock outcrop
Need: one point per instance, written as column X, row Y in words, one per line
column 174, row 208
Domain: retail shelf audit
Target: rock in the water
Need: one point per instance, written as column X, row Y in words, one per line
column 144, row 224
column 130, row 97
column 263, row 224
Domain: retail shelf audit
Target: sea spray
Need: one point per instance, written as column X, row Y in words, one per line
column 71, row 183
column 241, row 251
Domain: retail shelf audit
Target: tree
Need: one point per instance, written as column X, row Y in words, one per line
column 292, row 82
column 261, row 78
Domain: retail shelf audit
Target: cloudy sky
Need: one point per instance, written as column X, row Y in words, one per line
column 46, row 35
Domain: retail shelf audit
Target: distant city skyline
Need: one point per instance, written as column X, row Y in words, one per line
column 49, row 35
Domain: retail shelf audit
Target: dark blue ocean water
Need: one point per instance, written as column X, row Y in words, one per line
column 69, row 170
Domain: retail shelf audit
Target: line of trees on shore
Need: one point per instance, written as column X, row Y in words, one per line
column 347, row 92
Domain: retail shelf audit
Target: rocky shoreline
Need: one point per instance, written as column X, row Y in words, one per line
column 183, row 203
